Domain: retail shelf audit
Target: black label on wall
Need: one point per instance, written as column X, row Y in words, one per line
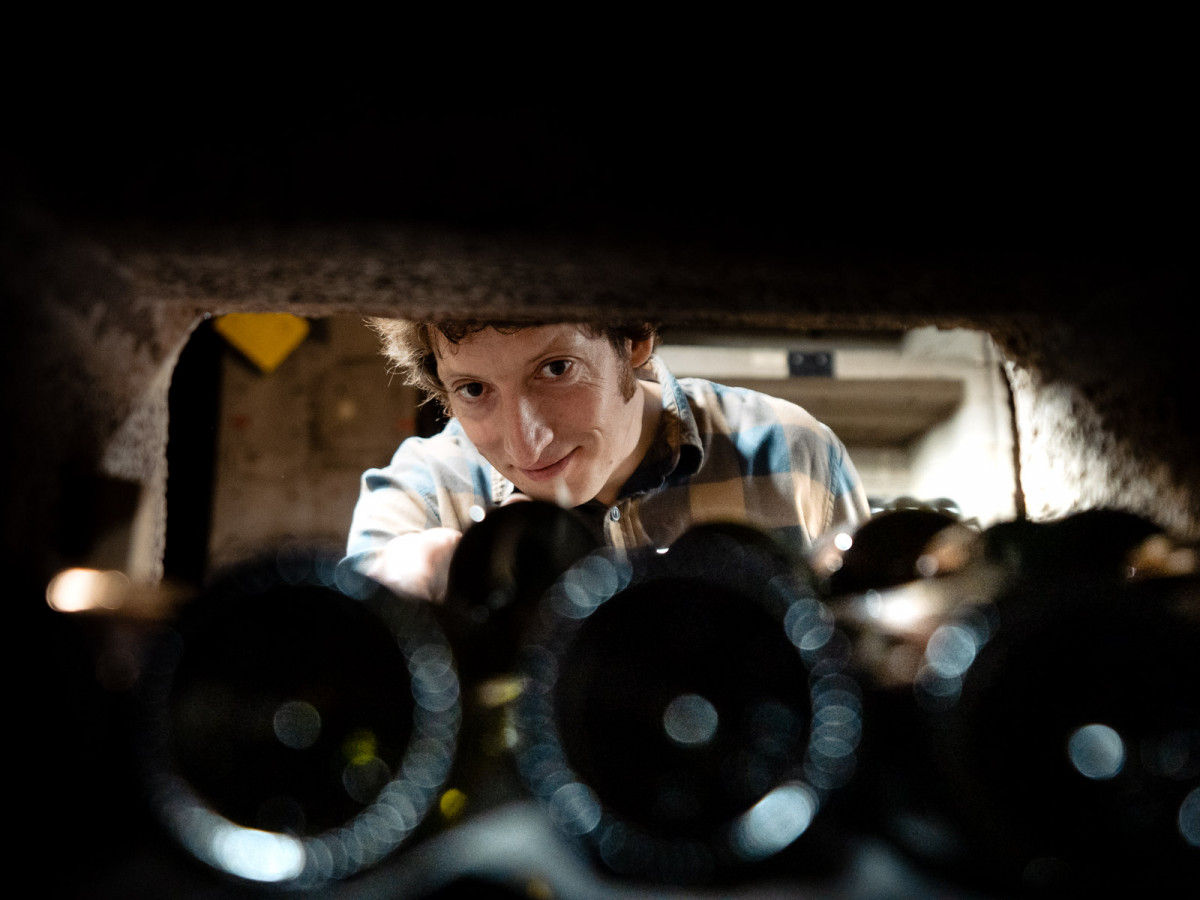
column 810, row 363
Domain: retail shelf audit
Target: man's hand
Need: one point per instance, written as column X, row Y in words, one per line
column 417, row 564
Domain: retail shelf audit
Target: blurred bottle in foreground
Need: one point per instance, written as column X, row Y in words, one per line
column 687, row 714
column 501, row 567
column 1034, row 704
column 297, row 732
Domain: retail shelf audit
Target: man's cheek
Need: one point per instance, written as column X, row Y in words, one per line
column 482, row 438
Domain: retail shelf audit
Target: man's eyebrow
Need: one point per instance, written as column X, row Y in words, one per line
column 553, row 346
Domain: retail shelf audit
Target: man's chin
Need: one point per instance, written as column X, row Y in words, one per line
column 556, row 492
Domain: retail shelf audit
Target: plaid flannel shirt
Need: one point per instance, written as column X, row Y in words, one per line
column 722, row 454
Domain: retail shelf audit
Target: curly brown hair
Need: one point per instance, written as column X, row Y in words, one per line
column 409, row 345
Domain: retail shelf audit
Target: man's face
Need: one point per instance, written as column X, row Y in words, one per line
column 545, row 407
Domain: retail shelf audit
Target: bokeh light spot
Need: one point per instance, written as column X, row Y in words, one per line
column 360, row 746
column 951, row 650
column 1189, row 818
column 297, row 724
column 452, row 804
column 257, row 855
column 1096, row 752
column 690, row 720
column 775, row 821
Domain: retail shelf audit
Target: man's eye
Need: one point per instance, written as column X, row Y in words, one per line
column 471, row 390
column 557, row 368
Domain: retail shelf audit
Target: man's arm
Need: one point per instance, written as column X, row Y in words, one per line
column 416, row 564
column 849, row 508
column 411, row 513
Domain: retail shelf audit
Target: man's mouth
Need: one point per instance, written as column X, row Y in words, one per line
column 545, row 473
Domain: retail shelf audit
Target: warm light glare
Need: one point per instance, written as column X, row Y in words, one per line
column 901, row 609
column 86, row 590
column 500, row 691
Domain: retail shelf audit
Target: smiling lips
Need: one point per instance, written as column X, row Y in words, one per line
column 545, row 473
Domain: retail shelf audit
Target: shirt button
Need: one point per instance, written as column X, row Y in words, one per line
column 614, row 514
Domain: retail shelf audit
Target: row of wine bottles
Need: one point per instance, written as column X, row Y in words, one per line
column 1033, row 699
column 1017, row 707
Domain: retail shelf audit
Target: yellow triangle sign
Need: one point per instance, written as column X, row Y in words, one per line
column 266, row 339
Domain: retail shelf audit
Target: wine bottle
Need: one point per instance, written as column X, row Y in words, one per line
column 297, row 731
column 1048, row 738
column 687, row 713
column 498, row 573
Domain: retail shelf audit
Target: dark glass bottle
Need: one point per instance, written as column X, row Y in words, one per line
column 501, row 568
column 1046, row 739
column 687, row 713
column 297, row 731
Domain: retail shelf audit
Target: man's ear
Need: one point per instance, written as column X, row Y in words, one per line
column 639, row 352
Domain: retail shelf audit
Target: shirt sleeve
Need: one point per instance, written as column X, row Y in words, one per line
column 828, row 492
column 849, row 507
column 433, row 482
column 769, row 462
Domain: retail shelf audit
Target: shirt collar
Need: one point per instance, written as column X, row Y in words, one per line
column 677, row 449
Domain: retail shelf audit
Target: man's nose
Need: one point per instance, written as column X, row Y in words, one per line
column 526, row 433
